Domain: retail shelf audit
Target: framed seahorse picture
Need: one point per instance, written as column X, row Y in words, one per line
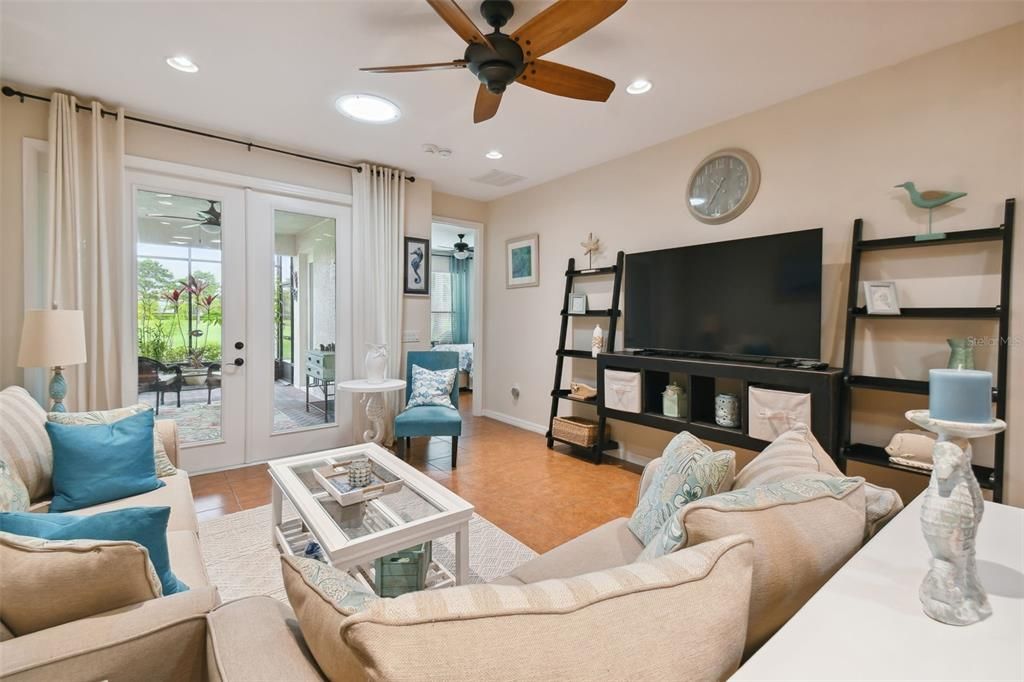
column 417, row 266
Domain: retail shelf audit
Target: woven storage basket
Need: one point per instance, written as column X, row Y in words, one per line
column 576, row 430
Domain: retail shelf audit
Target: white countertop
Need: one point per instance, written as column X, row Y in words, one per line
column 866, row 623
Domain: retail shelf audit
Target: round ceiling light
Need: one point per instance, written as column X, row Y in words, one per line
column 639, row 86
column 368, row 108
column 182, row 63
column 494, row 154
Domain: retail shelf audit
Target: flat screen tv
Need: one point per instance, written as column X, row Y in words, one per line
column 745, row 298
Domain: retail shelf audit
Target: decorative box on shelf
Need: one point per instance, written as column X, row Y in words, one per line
column 576, row 430
column 335, row 479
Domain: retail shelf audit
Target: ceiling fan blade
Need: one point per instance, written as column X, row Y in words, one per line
column 439, row 66
column 170, row 217
column 460, row 23
column 486, row 104
column 561, row 22
column 558, row 79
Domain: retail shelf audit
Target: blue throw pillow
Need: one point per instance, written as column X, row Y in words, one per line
column 432, row 387
column 144, row 525
column 95, row 463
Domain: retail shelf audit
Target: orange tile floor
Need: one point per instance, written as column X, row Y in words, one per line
column 541, row 497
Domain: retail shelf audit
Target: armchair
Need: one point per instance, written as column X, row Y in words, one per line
column 429, row 420
column 156, row 377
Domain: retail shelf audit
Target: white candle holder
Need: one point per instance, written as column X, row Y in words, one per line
column 953, row 506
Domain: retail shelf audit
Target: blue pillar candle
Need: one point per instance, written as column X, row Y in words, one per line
column 960, row 395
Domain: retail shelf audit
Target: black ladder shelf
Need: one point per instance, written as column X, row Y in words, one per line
column 557, row 392
column 990, row 478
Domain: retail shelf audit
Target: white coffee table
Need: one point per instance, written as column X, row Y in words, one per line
column 352, row 536
column 375, row 412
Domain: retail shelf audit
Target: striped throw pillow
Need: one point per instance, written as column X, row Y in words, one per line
column 24, row 445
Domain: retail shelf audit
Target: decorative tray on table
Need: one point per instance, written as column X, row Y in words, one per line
column 334, row 478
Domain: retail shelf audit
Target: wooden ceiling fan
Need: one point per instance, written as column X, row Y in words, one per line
column 498, row 59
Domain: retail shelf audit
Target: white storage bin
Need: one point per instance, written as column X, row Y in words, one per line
column 622, row 390
column 772, row 413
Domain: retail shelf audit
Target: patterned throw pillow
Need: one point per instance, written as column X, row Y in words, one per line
column 13, row 493
column 689, row 471
column 348, row 594
column 163, row 463
column 672, row 535
column 432, row 387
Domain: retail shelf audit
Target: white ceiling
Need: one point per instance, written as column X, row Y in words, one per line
column 270, row 71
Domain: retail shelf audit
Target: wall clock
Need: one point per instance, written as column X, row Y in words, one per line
column 723, row 185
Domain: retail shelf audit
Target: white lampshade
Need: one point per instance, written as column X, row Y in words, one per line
column 52, row 338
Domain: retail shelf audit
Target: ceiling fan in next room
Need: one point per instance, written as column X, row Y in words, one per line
column 208, row 220
column 499, row 59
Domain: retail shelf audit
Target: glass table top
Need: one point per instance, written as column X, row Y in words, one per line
column 398, row 505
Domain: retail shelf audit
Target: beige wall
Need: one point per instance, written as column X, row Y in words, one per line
column 460, row 208
column 951, row 119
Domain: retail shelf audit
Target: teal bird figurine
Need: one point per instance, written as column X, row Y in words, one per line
column 931, row 199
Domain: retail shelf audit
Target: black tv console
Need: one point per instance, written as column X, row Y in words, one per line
column 700, row 377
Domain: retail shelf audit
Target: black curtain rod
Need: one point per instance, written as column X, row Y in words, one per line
column 11, row 92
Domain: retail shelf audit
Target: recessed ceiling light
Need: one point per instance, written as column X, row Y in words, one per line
column 215, row 241
column 165, row 196
column 166, row 203
column 164, row 222
column 639, row 86
column 494, row 154
column 368, row 108
column 182, row 63
column 178, row 236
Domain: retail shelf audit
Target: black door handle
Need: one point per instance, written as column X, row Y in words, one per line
column 239, row 362
column 239, row 345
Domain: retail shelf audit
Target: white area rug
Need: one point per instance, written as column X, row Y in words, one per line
column 242, row 561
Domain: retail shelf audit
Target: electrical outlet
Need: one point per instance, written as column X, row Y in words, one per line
column 515, row 392
column 411, row 336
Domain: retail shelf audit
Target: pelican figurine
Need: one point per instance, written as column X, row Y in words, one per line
column 930, row 199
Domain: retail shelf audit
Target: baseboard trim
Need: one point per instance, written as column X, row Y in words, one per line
column 516, row 422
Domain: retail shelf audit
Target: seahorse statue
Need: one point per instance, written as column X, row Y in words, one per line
column 953, row 506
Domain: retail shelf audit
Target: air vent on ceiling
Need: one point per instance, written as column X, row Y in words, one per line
column 498, row 178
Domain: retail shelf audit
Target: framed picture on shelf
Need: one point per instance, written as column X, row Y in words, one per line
column 880, row 298
column 522, row 260
column 417, row 266
column 577, row 304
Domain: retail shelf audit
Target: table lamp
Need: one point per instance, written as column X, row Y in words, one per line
column 53, row 338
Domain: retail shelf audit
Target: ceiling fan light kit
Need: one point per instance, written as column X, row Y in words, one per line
column 499, row 59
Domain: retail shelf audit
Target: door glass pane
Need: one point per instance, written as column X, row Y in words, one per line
column 304, row 320
column 179, row 311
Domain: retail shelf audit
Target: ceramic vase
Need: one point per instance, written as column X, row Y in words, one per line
column 727, row 410
column 961, row 354
column 673, row 401
column 597, row 341
column 953, row 506
column 376, row 363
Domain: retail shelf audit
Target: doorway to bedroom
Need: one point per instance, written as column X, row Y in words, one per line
column 455, row 291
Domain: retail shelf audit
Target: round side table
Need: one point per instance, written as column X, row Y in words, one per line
column 374, row 404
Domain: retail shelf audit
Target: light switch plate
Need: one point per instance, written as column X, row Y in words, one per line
column 410, row 336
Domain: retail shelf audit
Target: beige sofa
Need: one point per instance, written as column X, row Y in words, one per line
column 63, row 650
column 189, row 636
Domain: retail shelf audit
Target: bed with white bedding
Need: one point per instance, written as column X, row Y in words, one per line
column 465, row 351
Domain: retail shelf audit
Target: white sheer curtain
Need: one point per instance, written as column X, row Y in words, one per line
column 89, row 244
column 378, row 217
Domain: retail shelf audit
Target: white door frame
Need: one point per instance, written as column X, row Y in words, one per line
column 229, row 450
column 263, row 442
column 477, row 326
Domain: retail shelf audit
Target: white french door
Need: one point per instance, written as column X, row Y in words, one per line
column 190, row 318
column 242, row 318
column 298, row 308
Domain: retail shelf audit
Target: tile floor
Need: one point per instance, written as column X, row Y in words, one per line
column 541, row 497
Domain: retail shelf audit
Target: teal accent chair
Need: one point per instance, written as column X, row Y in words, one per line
column 429, row 420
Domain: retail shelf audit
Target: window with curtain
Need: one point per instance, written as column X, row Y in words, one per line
column 442, row 315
